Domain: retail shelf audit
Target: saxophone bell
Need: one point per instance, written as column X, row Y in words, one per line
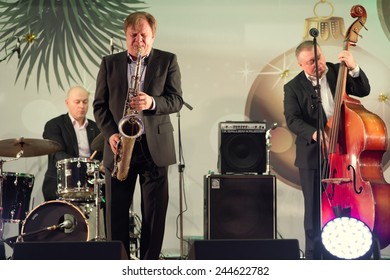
column 131, row 126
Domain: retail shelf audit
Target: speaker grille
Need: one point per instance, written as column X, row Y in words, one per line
column 242, row 148
column 240, row 206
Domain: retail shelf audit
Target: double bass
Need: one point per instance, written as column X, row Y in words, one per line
column 353, row 182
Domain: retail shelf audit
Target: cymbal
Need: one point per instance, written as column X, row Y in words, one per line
column 98, row 143
column 28, row 147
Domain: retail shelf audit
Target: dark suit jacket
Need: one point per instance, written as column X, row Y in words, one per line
column 60, row 129
column 300, row 110
column 162, row 81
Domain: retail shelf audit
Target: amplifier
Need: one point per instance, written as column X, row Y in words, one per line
column 239, row 206
column 242, row 148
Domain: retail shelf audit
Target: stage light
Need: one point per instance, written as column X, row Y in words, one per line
column 347, row 238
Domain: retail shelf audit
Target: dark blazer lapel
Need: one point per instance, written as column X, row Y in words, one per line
column 122, row 66
column 91, row 132
column 307, row 85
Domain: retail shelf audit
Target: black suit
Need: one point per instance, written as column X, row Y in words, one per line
column 60, row 129
column 153, row 152
column 300, row 110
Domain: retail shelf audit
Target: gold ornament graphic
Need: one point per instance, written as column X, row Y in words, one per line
column 265, row 97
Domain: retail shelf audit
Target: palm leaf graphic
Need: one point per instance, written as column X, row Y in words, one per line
column 60, row 37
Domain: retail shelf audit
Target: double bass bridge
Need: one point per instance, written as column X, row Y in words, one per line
column 336, row 181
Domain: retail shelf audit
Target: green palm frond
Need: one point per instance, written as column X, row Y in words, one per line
column 60, row 37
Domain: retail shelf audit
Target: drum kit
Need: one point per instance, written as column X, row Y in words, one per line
column 78, row 182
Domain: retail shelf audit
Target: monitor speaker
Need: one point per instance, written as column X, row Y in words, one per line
column 113, row 250
column 240, row 207
column 276, row 249
column 242, row 148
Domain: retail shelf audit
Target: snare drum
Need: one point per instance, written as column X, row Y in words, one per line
column 16, row 194
column 41, row 224
column 75, row 179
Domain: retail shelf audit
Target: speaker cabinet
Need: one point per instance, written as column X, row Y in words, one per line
column 113, row 250
column 242, row 148
column 273, row 249
column 240, row 207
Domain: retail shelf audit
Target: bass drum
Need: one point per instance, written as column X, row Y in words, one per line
column 41, row 224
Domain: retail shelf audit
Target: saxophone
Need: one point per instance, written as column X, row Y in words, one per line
column 130, row 127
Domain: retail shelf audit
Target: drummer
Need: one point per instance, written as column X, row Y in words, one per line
column 75, row 132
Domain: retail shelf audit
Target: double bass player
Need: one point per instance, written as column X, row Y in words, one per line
column 300, row 111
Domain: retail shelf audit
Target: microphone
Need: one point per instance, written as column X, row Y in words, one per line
column 112, row 48
column 66, row 224
column 313, row 32
column 17, row 47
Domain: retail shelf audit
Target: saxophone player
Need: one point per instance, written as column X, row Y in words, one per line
column 159, row 95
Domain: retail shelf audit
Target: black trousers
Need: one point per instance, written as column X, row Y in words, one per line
column 153, row 181
column 309, row 183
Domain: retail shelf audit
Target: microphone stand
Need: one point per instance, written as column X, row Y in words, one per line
column 181, row 167
column 19, row 237
column 320, row 132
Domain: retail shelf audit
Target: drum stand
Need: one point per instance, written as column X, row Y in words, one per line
column 97, row 189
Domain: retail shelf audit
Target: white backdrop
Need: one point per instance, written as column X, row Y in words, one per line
column 222, row 46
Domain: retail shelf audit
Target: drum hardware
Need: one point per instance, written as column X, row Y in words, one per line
column 135, row 233
column 85, row 208
column 97, row 183
column 17, row 148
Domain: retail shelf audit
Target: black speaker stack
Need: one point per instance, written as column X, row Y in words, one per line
column 240, row 201
column 240, row 207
